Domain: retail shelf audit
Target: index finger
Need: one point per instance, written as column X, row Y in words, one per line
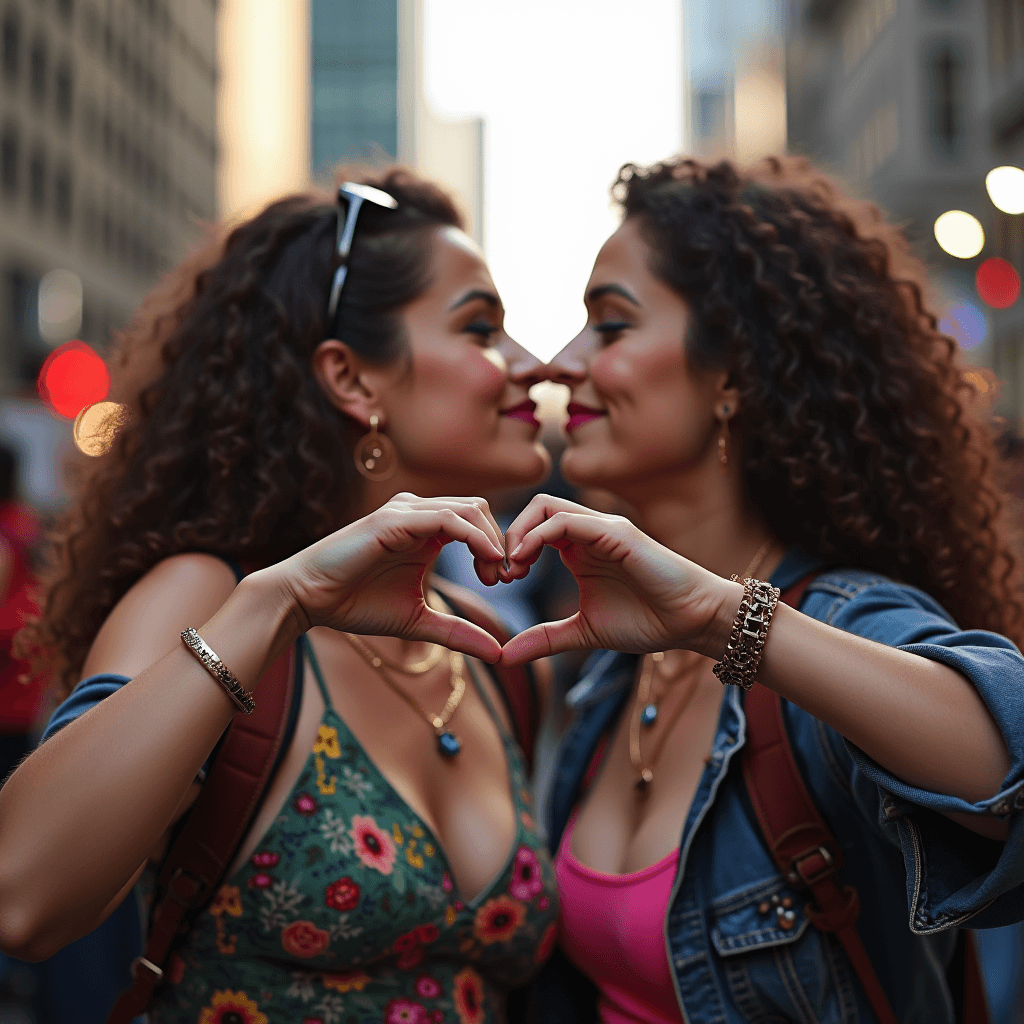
column 540, row 508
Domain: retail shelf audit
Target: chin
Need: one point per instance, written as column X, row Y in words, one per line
column 583, row 468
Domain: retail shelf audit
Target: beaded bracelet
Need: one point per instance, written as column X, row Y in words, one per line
column 749, row 632
column 198, row 646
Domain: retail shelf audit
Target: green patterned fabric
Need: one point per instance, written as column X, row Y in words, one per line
column 348, row 911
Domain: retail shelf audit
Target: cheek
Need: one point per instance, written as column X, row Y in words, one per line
column 455, row 390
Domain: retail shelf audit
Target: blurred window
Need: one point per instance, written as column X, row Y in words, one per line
column 62, row 195
column 1005, row 32
column 65, row 90
column 864, row 24
column 37, row 177
column 709, row 114
column 946, row 82
column 9, row 158
column 877, row 141
column 37, row 68
column 12, row 42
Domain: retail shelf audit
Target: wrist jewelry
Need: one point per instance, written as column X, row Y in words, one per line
column 198, row 646
column 749, row 632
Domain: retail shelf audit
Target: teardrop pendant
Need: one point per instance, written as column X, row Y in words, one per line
column 448, row 744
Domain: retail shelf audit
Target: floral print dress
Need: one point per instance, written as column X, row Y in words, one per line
column 348, row 912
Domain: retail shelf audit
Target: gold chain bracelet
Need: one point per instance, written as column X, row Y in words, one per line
column 209, row 660
column 749, row 631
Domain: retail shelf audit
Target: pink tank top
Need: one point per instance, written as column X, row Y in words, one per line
column 612, row 928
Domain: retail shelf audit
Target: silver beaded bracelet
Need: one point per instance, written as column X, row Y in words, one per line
column 199, row 647
column 749, row 632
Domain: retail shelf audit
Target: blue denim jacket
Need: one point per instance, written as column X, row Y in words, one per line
column 919, row 874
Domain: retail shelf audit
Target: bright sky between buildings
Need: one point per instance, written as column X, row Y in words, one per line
column 569, row 90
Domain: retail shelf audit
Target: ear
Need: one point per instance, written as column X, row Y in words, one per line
column 726, row 396
column 346, row 381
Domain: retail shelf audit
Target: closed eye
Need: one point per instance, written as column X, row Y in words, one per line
column 482, row 328
column 609, row 329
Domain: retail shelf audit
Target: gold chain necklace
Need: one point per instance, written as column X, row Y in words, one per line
column 413, row 668
column 448, row 744
column 645, row 704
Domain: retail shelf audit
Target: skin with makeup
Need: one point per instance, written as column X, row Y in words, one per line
column 453, row 402
column 673, row 433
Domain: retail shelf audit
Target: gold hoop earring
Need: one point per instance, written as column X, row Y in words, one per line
column 375, row 455
column 723, row 446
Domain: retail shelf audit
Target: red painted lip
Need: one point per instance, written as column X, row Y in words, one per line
column 523, row 411
column 580, row 414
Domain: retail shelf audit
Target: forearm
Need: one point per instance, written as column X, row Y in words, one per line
column 919, row 719
column 85, row 810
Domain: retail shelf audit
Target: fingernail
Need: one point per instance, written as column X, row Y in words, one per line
column 519, row 547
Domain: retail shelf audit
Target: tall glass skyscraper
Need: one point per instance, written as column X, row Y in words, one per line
column 355, row 80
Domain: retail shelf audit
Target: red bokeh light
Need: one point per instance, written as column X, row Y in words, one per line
column 72, row 377
column 998, row 283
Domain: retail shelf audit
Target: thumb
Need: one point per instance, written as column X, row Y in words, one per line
column 457, row 635
column 545, row 639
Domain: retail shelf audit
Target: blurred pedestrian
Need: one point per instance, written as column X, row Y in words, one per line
column 310, row 371
column 761, row 379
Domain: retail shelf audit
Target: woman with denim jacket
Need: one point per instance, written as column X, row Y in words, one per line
column 761, row 382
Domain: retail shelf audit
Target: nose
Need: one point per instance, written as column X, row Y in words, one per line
column 524, row 368
column 569, row 366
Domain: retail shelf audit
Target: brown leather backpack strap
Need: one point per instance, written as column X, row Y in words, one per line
column 206, row 845
column 518, row 685
column 800, row 842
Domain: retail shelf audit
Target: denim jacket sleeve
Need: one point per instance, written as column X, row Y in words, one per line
column 954, row 876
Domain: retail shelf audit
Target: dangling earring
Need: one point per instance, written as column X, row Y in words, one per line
column 376, row 457
column 723, row 442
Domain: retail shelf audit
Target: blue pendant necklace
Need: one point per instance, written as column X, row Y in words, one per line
column 448, row 744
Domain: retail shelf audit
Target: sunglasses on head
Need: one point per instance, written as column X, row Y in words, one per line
column 354, row 195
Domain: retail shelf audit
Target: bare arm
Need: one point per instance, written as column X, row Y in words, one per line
column 86, row 809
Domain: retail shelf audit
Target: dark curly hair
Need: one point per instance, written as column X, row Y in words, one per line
column 859, row 439
column 233, row 447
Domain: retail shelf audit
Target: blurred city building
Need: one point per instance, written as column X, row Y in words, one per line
column 733, row 59
column 108, row 154
column 312, row 84
column 913, row 102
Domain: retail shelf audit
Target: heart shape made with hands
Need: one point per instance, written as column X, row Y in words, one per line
column 636, row 595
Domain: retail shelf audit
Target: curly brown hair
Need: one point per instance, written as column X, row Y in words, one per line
column 861, row 443
column 233, row 447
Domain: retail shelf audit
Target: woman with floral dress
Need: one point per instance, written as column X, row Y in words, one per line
column 292, row 390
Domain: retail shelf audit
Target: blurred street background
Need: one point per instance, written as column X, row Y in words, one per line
column 127, row 127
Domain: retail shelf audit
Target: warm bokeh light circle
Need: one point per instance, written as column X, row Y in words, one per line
column 72, row 377
column 97, row 425
column 998, row 283
column 1005, row 186
column 960, row 234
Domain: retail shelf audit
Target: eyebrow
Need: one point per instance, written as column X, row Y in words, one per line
column 602, row 290
column 477, row 293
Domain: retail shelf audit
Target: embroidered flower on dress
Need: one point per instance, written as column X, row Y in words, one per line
column 355, row 783
column 347, row 981
column 542, row 903
column 446, row 882
column 228, row 900
column 547, row 944
column 468, row 996
column 282, row 903
column 526, row 878
column 406, row 942
column 302, row 986
column 304, row 939
column 232, row 1008
column 265, row 859
column 498, row 920
column 260, row 881
column 305, row 804
column 427, row 988
column 373, row 846
column 405, row 1011
column 335, row 831
column 410, row 958
column 327, row 742
column 426, row 933
column 343, row 894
